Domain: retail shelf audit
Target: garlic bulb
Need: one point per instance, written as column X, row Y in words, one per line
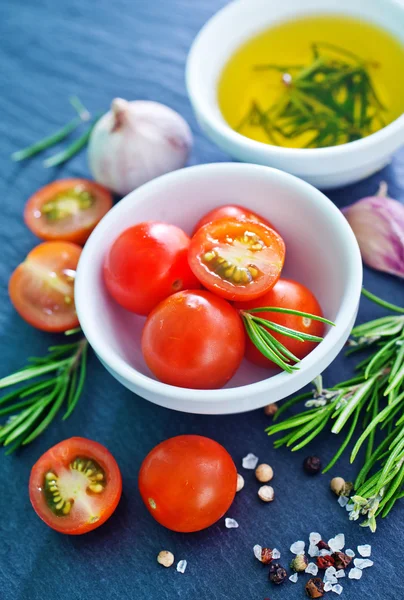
column 135, row 142
column 378, row 224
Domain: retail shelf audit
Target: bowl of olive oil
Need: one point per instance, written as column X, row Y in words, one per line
column 312, row 88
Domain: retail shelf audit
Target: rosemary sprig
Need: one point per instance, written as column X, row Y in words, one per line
column 257, row 330
column 370, row 403
column 57, row 136
column 75, row 147
column 332, row 98
column 53, row 380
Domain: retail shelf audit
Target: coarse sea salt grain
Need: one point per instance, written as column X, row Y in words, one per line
column 349, row 552
column 327, row 586
column 342, row 500
column 337, row 589
column 231, row 523
column 181, row 566
column 337, row 543
column 297, row 547
column 355, row 573
column 365, row 550
column 329, row 575
column 311, row 568
column 250, row 461
column 257, row 551
column 275, row 553
column 363, row 563
column 314, row 537
column 340, row 573
column 293, row 578
column 325, row 552
column 349, row 507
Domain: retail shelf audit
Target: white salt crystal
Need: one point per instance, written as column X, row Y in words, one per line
column 329, row 575
column 350, row 552
column 330, row 571
column 231, row 523
column 349, row 507
column 343, row 500
column 355, row 573
column 275, row 553
column 293, row 578
column 340, row 573
column 325, row 552
column 257, row 552
column 181, row 566
column 297, row 547
column 337, row 543
column 250, row 461
column 327, row 586
column 330, row 579
column 313, row 550
column 365, row 550
column 337, row 589
column 311, row 568
column 363, row 563
column 314, row 537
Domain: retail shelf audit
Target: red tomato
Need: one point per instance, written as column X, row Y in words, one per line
column 42, row 287
column 147, row 263
column 193, row 339
column 231, row 211
column 238, row 260
column 75, row 486
column 188, row 482
column 67, row 210
column 286, row 294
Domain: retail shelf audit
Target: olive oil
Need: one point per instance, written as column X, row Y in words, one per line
column 314, row 82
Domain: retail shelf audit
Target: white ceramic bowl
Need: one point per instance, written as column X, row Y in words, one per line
column 241, row 20
column 321, row 252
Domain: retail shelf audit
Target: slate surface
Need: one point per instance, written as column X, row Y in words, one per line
column 137, row 49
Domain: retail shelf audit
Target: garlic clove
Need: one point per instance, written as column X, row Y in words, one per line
column 378, row 224
column 135, row 142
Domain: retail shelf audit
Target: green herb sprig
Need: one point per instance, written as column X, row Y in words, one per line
column 370, row 403
column 333, row 98
column 51, row 381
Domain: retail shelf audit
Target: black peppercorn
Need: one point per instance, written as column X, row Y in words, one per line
column 266, row 556
column 315, row 588
column 312, row 465
column 341, row 560
column 277, row 573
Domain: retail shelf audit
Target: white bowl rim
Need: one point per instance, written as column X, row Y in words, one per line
column 347, row 307
column 202, row 106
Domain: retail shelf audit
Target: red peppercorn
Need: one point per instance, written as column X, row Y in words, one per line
column 321, row 545
column 323, row 562
column 341, row 560
column 315, row 588
column 266, row 556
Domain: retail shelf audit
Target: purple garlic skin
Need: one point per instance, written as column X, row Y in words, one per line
column 378, row 224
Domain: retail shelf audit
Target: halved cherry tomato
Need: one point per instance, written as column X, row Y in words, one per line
column 231, row 211
column 286, row 294
column 67, row 209
column 193, row 339
column 42, row 287
column 188, row 482
column 238, row 260
column 147, row 263
column 75, row 486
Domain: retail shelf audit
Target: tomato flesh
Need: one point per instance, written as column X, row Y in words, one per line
column 75, row 486
column 188, row 482
column 238, row 260
column 42, row 287
column 286, row 294
column 193, row 339
column 231, row 211
column 67, row 209
column 147, row 263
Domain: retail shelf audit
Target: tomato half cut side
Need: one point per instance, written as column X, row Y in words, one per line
column 231, row 211
column 42, row 287
column 75, row 486
column 67, row 210
column 237, row 260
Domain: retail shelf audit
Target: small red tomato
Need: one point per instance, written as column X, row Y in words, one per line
column 67, row 210
column 286, row 294
column 188, row 482
column 42, row 287
column 193, row 339
column 237, row 260
column 147, row 263
column 75, row 486
column 231, row 211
